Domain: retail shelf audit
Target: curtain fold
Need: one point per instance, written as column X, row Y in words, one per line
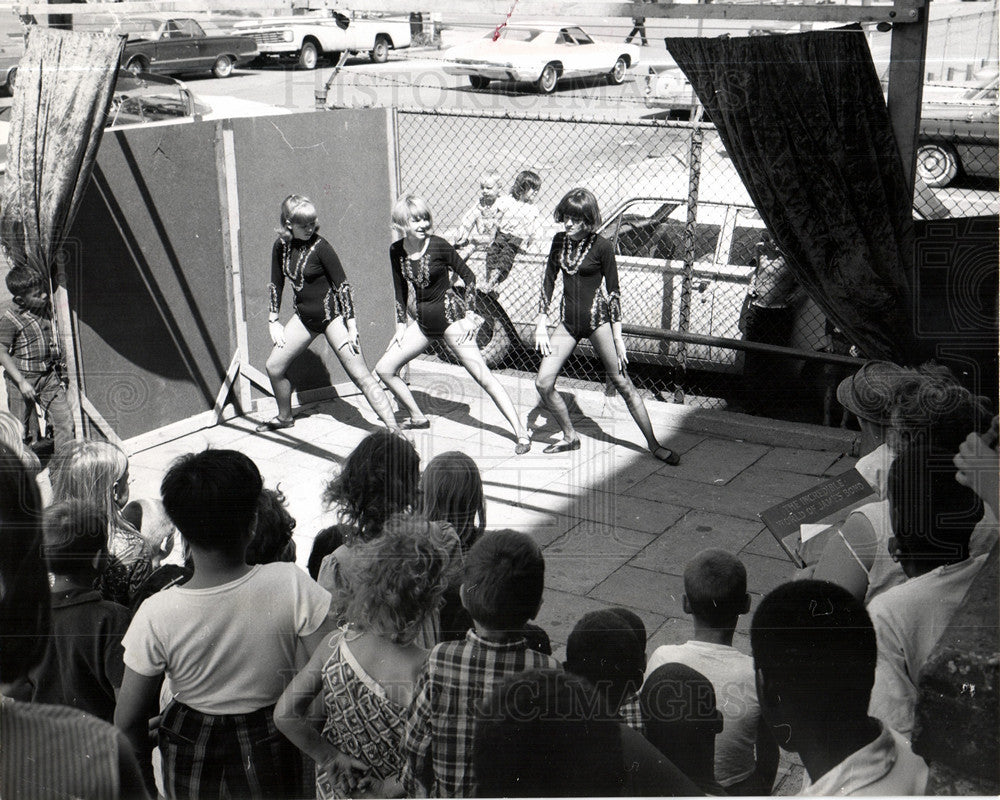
column 64, row 86
column 805, row 124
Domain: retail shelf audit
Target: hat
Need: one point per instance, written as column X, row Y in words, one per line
column 869, row 392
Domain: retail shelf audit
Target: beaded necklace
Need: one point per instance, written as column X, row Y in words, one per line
column 570, row 264
column 295, row 274
column 417, row 270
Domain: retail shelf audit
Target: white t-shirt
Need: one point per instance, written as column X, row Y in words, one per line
column 884, row 767
column 229, row 649
column 518, row 218
column 909, row 619
column 731, row 674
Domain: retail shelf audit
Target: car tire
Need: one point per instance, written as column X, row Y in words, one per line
column 136, row 64
column 478, row 82
column 937, row 163
column 546, row 83
column 223, row 67
column 309, row 54
column 380, row 53
column 617, row 75
column 495, row 337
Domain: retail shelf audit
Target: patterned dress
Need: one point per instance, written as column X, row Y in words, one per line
column 361, row 720
column 585, row 265
column 438, row 306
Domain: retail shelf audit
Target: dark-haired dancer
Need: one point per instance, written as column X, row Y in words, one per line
column 427, row 261
column 323, row 305
column 585, row 260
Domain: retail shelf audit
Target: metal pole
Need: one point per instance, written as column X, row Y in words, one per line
column 906, row 84
column 684, row 315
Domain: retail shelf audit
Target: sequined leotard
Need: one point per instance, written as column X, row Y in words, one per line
column 437, row 304
column 584, row 265
column 321, row 288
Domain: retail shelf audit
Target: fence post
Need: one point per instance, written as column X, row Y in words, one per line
column 684, row 316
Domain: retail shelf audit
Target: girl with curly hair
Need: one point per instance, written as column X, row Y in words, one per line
column 366, row 676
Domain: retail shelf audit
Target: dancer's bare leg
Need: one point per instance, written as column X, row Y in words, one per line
column 297, row 340
column 562, row 345
column 356, row 368
column 410, row 346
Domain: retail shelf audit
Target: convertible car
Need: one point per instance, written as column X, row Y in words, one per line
column 539, row 53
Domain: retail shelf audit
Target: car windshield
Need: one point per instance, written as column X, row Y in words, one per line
column 137, row 28
column 151, row 99
column 516, row 34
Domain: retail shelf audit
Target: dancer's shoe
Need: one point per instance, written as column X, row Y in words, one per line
column 564, row 446
column 666, row 455
column 523, row 445
column 275, row 424
column 415, row 425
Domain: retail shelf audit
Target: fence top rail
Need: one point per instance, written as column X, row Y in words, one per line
column 543, row 116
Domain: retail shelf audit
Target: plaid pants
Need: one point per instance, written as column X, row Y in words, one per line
column 227, row 756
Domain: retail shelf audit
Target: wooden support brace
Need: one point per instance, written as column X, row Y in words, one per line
column 98, row 420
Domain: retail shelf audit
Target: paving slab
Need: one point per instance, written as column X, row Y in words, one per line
column 694, row 532
column 764, row 544
column 707, row 496
column 718, row 460
column 579, row 560
column 803, row 462
column 767, row 480
column 656, row 592
column 763, row 573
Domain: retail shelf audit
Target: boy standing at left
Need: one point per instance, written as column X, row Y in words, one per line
column 30, row 356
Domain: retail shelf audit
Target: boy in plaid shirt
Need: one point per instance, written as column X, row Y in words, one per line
column 30, row 357
column 502, row 590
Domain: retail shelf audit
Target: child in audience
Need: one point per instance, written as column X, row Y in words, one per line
column 502, row 590
column 608, row 649
column 82, row 666
column 12, row 437
column 518, row 226
column 715, row 595
column 479, row 224
column 30, row 356
column 682, row 721
column 226, row 640
column 933, row 516
column 325, row 542
column 47, row 751
column 366, row 677
column 537, row 735
column 98, row 472
column 814, row 652
column 272, row 538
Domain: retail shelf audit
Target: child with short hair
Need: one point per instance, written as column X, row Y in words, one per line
column 226, row 639
column 82, row 666
column 29, row 355
column 478, row 225
column 502, row 590
column 715, row 595
column 518, row 226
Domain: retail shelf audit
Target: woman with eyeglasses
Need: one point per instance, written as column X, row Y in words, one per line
column 586, row 261
column 323, row 306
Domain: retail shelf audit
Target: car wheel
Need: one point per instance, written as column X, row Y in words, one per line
column 223, row 67
column 546, row 82
column 937, row 163
column 617, row 75
column 380, row 53
column 309, row 55
column 478, row 82
column 136, row 65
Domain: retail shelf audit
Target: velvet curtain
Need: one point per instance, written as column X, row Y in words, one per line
column 805, row 123
column 64, row 87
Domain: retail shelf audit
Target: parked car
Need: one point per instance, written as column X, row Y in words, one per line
column 8, row 73
column 958, row 131
column 163, row 43
column 668, row 88
column 539, row 53
column 308, row 38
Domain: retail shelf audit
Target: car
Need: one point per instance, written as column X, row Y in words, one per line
column 539, row 53
column 958, row 131
column 170, row 44
column 668, row 88
column 8, row 73
column 306, row 38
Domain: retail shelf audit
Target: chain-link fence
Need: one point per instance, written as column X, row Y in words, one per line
column 687, row 240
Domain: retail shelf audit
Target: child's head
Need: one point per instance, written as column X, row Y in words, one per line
column 537, row 735
column 579, row 204
column 932, row 514
column 681, row 719
column 401, row 579
column 378, row 479
column 526, row 185
column 503, row 580
column 326, row 541
column 489, row 187
column 451, row 491
column 12, row 437
column 76, row 539
column 715, row 588
column 24, row 585
column 814, row 651
column 272, row 538
column 212, row 497
column 608, row 648
column 298, row 218
column 28, row 288
column 409, row 209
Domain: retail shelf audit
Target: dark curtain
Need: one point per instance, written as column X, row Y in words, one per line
column 805, row 123
column 64, row 87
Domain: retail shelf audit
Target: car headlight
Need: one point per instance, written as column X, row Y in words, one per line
column 287, row 36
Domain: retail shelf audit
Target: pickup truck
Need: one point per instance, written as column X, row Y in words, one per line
column 308, row 38
column 163, row 43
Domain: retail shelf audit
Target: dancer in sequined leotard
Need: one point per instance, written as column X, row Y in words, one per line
column 585, row 260
column 426, row 262
column 323, row 305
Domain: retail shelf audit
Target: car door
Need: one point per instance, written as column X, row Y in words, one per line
column 587, row 60
column 176, row 50
column 568, row 52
